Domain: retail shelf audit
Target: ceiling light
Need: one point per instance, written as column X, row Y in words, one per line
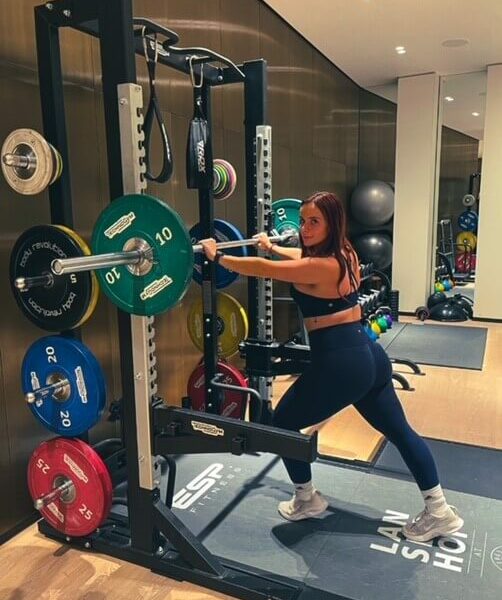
column 400, row 49
column 475, row 114
column 455, row 43
column 449, row 98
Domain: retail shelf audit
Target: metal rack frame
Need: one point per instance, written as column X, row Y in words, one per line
column 150, row 534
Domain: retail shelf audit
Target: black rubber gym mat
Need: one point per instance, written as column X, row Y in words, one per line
column 441, row 345
column 355, row 550
column 386, row 339
column 464, row 468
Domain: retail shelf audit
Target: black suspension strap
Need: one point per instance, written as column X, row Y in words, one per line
column 154, row 112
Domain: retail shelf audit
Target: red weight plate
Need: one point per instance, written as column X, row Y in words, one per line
column 234, row 403
column 88, row 504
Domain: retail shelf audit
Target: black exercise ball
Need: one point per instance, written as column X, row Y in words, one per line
column 375, row 248
column 465, row 304
column 436, row 298
column 372, row 203
column 448, row 311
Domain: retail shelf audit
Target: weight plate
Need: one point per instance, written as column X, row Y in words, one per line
column 233, row 403
column 230, row 179
column 36, row 177
column 468, row 220
column 69, row 300
column 223, row 179
column 232, row 324
column 94, row 280
column 216, row 179
column 286, row 215
column 463, row 262
column 57, row 164
column 223, row 232
column 468, row 200
column 147, row 220
column 77, row 407
column 466, row 239
column 83, row 508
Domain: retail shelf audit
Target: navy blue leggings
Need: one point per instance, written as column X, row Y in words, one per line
column 348, row 368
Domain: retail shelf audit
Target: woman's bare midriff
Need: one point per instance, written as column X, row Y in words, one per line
column 351, row 315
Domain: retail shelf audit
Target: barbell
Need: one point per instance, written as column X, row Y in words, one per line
column 143, row 256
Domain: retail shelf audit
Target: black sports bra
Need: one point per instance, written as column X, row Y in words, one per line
column 313, row 306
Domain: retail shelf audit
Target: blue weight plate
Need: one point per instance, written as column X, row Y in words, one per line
column 77, row 407
column 223, row 232
column 468, row 220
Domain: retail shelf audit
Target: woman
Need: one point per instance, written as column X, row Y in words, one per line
column 346, row 366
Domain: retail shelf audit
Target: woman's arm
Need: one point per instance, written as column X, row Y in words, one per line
column 302, row 270
column 263, row 242
column 283, row 252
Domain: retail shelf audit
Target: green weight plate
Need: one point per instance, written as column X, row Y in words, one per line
column 232, row 324
column 286, row 214
column 134, row 220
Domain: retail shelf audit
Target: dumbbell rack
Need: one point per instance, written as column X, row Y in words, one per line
column 151, row 535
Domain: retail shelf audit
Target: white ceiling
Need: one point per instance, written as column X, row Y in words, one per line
column 360, row 37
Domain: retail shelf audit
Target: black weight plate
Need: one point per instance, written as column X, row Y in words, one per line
column 65, row 303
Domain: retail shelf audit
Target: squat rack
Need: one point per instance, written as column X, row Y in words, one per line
column 151, row 535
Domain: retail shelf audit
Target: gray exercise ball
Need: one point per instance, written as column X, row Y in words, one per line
column 372, row 203
column 375, row 248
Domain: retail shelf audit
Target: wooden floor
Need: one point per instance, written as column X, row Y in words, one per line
column 33, row 567
column 450, row 404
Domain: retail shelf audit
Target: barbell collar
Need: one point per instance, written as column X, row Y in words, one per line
column 61, row 266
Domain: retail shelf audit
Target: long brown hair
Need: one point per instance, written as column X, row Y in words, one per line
column 336, row 242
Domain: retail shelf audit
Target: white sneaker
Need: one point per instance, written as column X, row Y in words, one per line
column 296, row 509
column 425, row 526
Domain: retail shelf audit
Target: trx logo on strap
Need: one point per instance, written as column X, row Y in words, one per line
column 201, row 157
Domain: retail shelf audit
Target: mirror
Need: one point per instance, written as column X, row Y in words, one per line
column 461, row 149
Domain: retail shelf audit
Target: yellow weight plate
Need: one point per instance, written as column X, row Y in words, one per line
column 232, row 324
column 467, row 238
column 58, row 164
column 95, row 285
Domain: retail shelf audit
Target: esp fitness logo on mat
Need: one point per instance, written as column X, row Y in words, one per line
column 450, row 553
column 204, row 488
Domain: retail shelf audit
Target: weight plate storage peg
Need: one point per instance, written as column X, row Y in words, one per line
column 70, row 485
column 63, row 385
column 158, row 282
column 29, row 162
column 233, row 403
column 223, row 232
column 232, row 324
column 51, row 303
